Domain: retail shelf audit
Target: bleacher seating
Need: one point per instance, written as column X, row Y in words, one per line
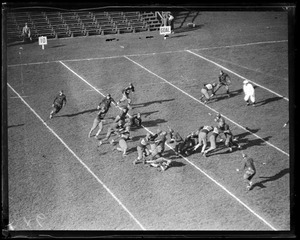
column 79, row 23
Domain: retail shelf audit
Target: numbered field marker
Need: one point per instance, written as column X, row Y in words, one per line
column 165, row 30
column 43, row 41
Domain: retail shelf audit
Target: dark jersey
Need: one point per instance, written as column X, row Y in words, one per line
column 106, row 103
column 60, row 100
column 224, row 78
column 249, row 164
column 128, row 89
column 101, row 115
column 176, row 136
column 225, row 129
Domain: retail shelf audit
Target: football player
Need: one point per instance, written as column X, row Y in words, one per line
column 59, row 102
column 224, row 80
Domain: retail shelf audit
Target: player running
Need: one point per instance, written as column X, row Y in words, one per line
column 59, row 102
column 125, row 94
column 224, row 80
column 250, row 171
column 207, row 87
column 98, row 122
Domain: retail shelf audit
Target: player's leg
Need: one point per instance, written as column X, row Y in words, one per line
column 252, row 98
column 227, row 90
column 212, row 147
column 216, row 89
column 140, row 154
column 100, row 125
column 55, row 110
column 124, row 97
column 246, row 98
column 204, row 141
column 95, row 124
column 123, row 146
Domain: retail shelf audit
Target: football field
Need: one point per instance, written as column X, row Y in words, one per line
column 60, row 180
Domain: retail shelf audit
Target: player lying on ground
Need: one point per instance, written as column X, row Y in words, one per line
column 124, row 136
column 59, row 102
column 156, row 159
column 207, row 87
column 189, row 143
column 224, row 80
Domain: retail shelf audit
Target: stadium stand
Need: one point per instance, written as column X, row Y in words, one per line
column 54, row 24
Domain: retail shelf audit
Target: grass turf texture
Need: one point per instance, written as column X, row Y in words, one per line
column 44, row 178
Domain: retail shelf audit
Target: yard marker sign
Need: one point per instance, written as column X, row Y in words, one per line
column 43, row 41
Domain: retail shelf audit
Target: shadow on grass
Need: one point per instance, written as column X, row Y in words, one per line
column 153, row 123
column 187, row 29
column 219, row 97
column 137, row 105
column 271, row 178
column 146, row 114
column 16, row 125
column 75, row 114
column 263, row 102
column 56, row 46
column 176, row 164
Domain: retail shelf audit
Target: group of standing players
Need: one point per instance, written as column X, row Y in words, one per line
column 150, row 149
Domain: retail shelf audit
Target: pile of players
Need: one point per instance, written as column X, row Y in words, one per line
column 151, row 148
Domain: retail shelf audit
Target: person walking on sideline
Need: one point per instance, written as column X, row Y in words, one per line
column 59, row 102
column 249, row 93
column 26, row 33
column 250, row 170
column 224, row 80
column 171, row 22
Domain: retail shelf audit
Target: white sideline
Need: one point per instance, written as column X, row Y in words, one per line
column 207, row 106
column 231, row 194
column 70, row 150
column 198, row 55
column 145, row 54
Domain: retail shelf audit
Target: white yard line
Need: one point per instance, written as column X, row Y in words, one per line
column 220, row 185
column 206, row 105
column 228, row 70
column 71, row 151
column 241, row 66
column 145, row 54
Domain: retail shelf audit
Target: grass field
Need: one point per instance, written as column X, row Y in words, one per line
column 60, row 180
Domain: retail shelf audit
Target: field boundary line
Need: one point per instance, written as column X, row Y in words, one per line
column 219, row 65
column 71, row 151
column 220, row 185
column 270, row 144
column 144, row 54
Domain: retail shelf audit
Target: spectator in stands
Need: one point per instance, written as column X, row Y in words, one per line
column 26, row 33
column 171, row 22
